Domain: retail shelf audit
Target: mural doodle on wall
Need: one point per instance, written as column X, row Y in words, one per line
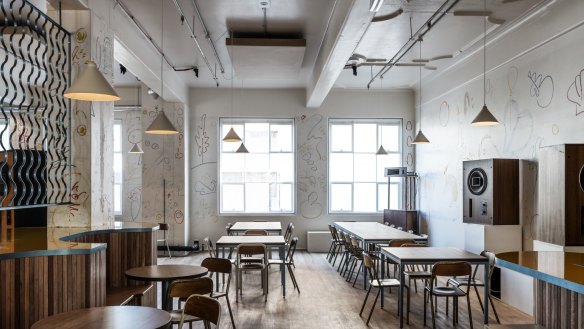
column 135, row 198
column 444, row 114
column 312, row 181
column 512, row 76
column 206, row 185
column 575, row 92
column 201, row 138
column 542, row 88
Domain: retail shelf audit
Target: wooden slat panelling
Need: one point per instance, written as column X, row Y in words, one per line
column 558, row 308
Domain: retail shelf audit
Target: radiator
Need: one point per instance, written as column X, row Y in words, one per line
column 318, row 241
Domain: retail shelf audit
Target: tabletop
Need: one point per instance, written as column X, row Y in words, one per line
column 268, row 226
column 432, row 254
column 119, row 317
column 166, row 272
column 272, row 240
column 374, row 231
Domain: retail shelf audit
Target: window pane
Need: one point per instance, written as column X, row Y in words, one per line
column 281, row 197
column 341, row 167
column 232, row 162
column 366, row 137
column 231, row 146
column 118, row 167
column 232, row 197
column 394, row 196
column 341, row 195
column 365, row 167
column 281, row 138
column 117, row 199
column 257, row 137
column 282, row 165
column 381, row 197
column 390, row 138
column 341, row 138
column 117, row 136
column 257, row 197
column 365, row 197
column 390, row 160
column 257, row 168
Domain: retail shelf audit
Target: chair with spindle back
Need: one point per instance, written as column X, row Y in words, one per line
column 288, row 261
column 164, row 228
column 182, row 289
column 204, row 308
column 209, row 246
column 259, row 264
column 224, row 266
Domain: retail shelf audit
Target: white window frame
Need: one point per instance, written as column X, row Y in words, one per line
column 399, row 183
column 243, row 121
column 121, row 151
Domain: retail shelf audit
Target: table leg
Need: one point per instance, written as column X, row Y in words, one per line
column 165, row 285
column 283, row 270
column 401, row 295
column 487, row 292
column 382, row 276
column 364, row 270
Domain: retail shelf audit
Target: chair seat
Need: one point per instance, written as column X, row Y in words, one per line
column 447, row 292
column 465, row 282
column 176, row 314
column 251, row 266
column 384, row 283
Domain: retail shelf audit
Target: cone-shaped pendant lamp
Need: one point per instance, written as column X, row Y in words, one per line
column 420, row 137
column 381, row 151
column 136, row 149
column 161, row 126
column 91, row 85
column 232, row 137
column 485, row 117
column 242, row 149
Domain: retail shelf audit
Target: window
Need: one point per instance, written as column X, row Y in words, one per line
column 356, row 180
column 118, row 167
column 263, row 180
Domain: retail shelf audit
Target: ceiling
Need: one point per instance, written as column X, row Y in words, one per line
column 314, row 21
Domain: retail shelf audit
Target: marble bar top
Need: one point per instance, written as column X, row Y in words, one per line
column 563, row 269
column 52, row 241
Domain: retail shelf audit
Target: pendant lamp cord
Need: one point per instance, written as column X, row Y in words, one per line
column 162, row 55
column 485, row 55
column 420, row 93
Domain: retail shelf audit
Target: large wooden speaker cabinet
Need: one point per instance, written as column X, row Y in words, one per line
column 491, row 192
column 561, row 195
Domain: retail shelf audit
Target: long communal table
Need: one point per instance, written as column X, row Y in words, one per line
column 232, row 241
column 375, row 232
column 404, row 256
column 270, row 227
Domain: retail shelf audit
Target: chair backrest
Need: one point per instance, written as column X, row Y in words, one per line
column 256, row 232
column 291, row 249
column 204, row 308
column 450, row 269
column 288, row 233
column 217, row 265
column 252, row 249
column 355, row 243
column 370, row 267
column 399, row 242
column 209, row 245
column 228, row 229
column 491, row 256
column 414, row 245
column 163, row 226
column 185, row 288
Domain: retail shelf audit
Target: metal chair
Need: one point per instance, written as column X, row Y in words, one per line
column 474, row 282
column 224, row 266
column 164, row 228
column 241, row 265
column 448, row 269
column 209, row 246
column 288, row 261
column 205, row 308
column 336, row 245
column 182, row 289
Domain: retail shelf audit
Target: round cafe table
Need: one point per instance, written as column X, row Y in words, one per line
column 165, row 274
column 118, row 317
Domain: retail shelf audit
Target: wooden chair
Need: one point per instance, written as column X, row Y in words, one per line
column 336, row 245
column 288, row 261
column 376, row 282
column 164, row 228
column 357, row 258
column 243, row 265
column 449, row 269
column 256, row 232
column 417, row 272
column 203, row 308
column 182, row 289
column 474, row 282
column 288, row 233
column 224, row 266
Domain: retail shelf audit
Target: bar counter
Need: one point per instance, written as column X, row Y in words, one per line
column 46, row 271
column 559, row 284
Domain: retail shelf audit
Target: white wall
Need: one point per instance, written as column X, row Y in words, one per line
column 535, row 91
column 207, row 105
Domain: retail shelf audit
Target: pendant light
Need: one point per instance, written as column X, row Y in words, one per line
column 136, row 149
column 420, row 137
column 485, row 117
column 381, row 150
column 161, row 125
column 91, row 85
column 232, row 136
column 242, row 149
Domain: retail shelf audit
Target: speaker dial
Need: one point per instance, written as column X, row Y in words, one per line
column 477, row 181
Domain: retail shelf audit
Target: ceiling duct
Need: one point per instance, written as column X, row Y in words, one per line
column 266, row 58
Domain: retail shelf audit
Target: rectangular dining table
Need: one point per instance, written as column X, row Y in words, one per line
column 404, row 256
column 232, row 241
column 270, row 227
column 375, row 232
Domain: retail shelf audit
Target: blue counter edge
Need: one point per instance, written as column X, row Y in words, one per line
column 85, row 251
column 542, row 276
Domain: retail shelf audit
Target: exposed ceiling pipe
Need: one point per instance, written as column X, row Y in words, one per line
column 435, row 18
column 387, row 17
column 208, row 36
column 194, row 38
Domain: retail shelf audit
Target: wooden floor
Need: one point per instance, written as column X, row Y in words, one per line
column 327, row 301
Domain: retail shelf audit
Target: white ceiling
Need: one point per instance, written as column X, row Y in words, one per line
column 310, row 20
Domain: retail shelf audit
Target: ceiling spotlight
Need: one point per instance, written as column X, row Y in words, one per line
column 196, row 70
column 354, row 67
column 122, row 69
column 150, row 91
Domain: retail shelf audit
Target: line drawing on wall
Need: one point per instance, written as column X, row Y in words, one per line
column 311, row 208
column 512, row 76
column 409, row 126
column 444, row 114
column 315, row 134
column 206, row 185
column 575, row 92
column 519, row 128
column 541, row 87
